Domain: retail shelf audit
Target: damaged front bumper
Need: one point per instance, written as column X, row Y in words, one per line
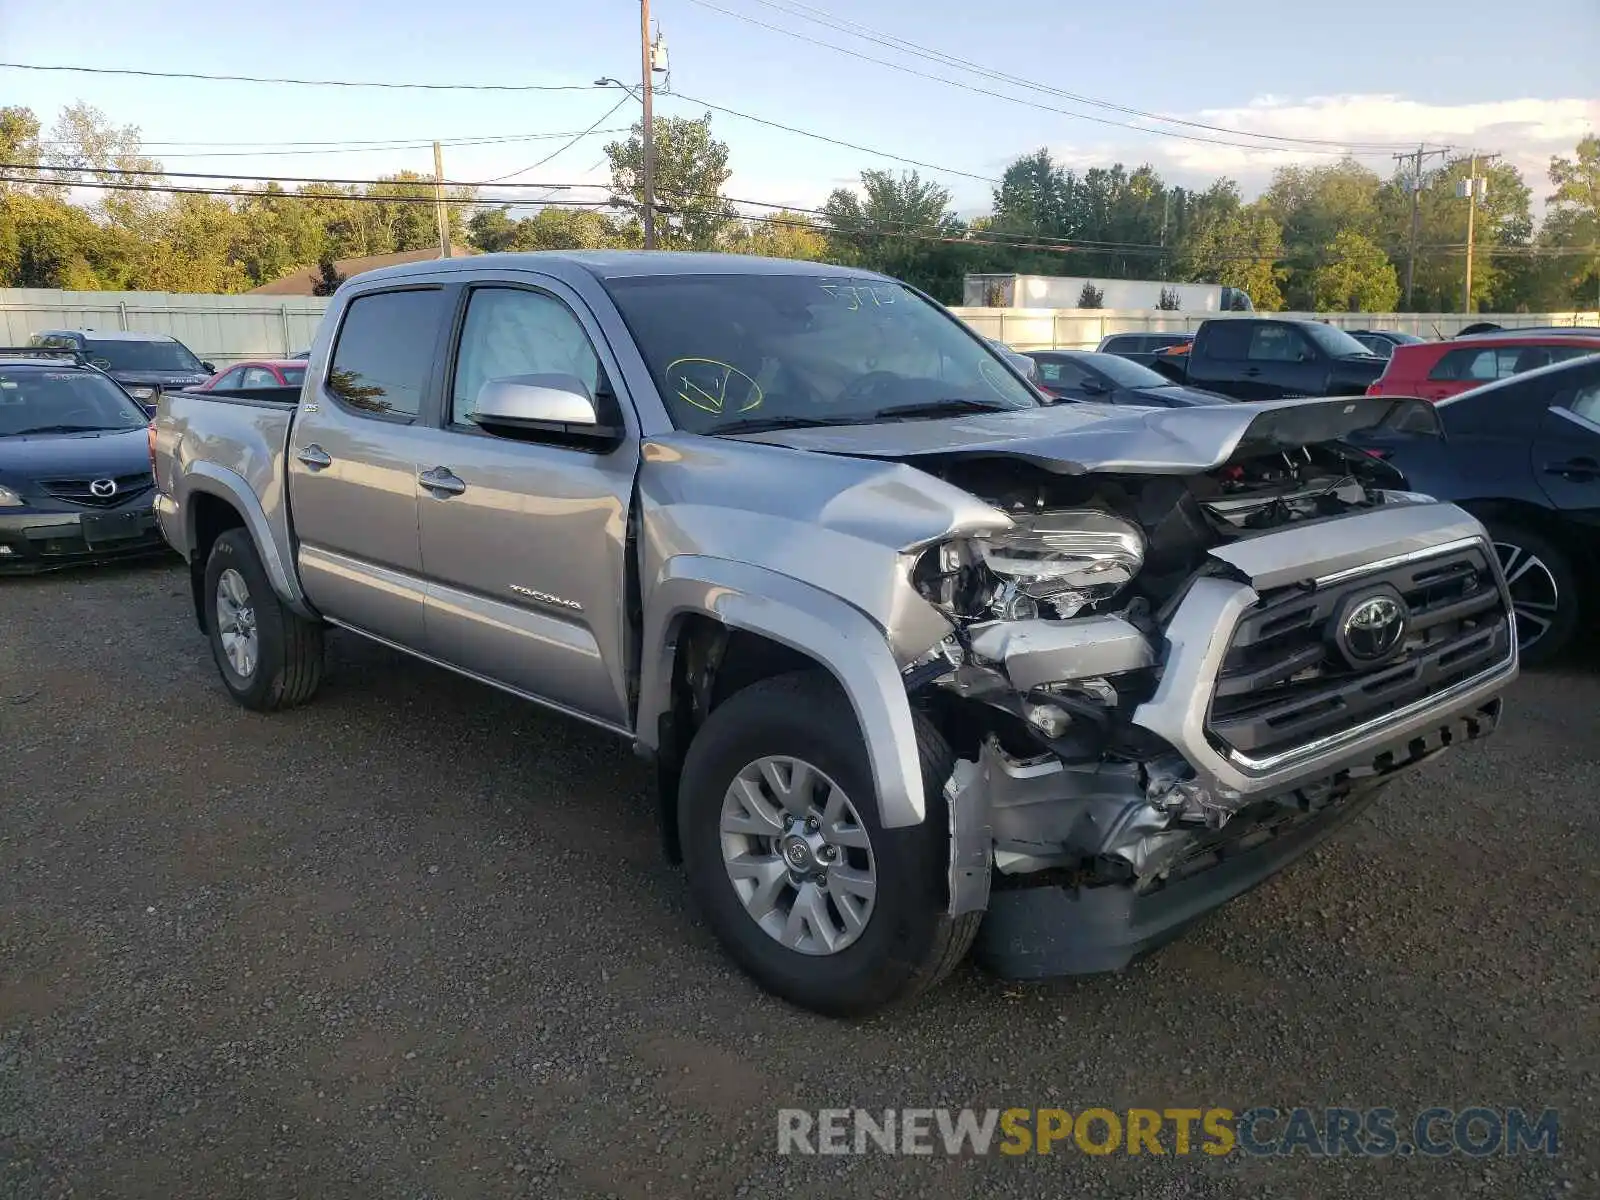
column 1084, row 866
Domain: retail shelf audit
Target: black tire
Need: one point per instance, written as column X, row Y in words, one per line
column 909, row 942
column 288, row 666
column 1554, row 641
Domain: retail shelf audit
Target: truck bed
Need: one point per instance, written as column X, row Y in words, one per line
column 231, row 444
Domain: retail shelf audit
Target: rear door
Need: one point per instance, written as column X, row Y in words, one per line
column 353, row 462
column 1566, row 450
column 524, row 552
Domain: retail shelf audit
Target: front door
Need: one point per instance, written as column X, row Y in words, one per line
column 1566, row 450
column 353, row 462
column 524, row 548
column 1282, row 362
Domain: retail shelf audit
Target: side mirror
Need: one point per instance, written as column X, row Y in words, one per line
column 1093, row 387
column 209, row 368
column 524, row 405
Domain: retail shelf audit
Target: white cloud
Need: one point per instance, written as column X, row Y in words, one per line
column 1525, row 132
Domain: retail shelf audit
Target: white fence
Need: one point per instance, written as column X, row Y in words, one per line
column 1082, row 329
column 219, row 329
column 224, row 329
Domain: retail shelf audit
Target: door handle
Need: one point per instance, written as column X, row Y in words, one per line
column 1252, row 371
column 442, row 482
column 315, row 457
column 1579, row 470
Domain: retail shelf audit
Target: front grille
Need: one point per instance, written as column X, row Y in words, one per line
column 81, row 491
column 1285, row 682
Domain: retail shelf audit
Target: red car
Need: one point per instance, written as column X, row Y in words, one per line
column 258, row 373
column 1439, row 370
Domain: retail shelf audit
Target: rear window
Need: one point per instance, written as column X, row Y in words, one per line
column 384, row 355
column 117, row 354
column 293, row 376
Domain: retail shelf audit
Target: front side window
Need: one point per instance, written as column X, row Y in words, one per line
column 738, row 351
column 117, row 354
column 35, row 401
column 1275, row 343
column 510, row 332
column 384, row 354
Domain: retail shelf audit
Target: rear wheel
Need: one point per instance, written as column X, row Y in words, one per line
column 1544, row 591
column 270, row 657
column 786, row 856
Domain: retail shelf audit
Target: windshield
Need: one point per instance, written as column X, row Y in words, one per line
column 63, row 402
column 142, row 356
column 1336, row 342
column 1125, row 372
column 795, row 349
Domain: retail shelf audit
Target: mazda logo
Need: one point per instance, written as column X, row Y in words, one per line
column 103, row 488
column 1372, row 628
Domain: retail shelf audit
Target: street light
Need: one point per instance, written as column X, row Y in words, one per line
column 647, row 132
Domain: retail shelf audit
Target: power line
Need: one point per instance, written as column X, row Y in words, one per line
column 981, row 91
column 370, row 148
column 301, row 179
column 809, row 12
column 569, row 145
column 231, row 193
column 340, row 83
column 733, row 112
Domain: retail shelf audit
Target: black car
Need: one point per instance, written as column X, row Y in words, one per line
column 1111, row 379
column 1383, row 341
column 75, row 480
column 1523, row 455
column 146, row 364
column 1141, row 347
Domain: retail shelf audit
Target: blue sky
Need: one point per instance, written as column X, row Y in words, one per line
column 1461, row 72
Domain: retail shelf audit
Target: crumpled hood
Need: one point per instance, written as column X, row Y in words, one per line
column 74, row 455
column 1077, row 439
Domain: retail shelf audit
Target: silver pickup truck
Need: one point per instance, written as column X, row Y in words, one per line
column 923, row 659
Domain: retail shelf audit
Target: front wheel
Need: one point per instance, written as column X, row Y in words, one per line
column 788, row 861
column 270, row 657
column 1544, row 591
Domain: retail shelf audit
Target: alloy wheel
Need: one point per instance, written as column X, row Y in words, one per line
column 798, row 856
column 236, row 623
column 1535, row 595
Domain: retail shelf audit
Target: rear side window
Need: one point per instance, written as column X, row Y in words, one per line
column 1472, row 364
column 1586, row 403
column 1228, row 339
column 384, row 355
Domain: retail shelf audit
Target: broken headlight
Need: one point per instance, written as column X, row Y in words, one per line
column 1065, row 558
column 1053, row 562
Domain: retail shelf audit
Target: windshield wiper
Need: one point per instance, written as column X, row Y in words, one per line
column 762, row 424
column 942, row 408
column 69, row 429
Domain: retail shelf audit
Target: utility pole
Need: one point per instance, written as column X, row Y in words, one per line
column 647, row 60
column 1472, row 212
column 439, row 212
column 1415, row 185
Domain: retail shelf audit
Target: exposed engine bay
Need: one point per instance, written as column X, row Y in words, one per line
column 1057, row 635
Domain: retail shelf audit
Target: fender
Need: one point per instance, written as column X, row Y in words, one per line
column 837, row 635
column 202, row 476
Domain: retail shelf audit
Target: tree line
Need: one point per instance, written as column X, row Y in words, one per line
column 1325, row 238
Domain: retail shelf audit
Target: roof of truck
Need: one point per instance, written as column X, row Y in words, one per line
column 622, row 264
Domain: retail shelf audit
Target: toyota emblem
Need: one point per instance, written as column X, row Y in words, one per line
column 103, row 488
column 1370, row 628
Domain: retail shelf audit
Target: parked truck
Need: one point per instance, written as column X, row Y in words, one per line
column 1271, row 358
column 1070, row 291
column 920, row 659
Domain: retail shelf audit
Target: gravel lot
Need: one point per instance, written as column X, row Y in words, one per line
column 417, row 939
